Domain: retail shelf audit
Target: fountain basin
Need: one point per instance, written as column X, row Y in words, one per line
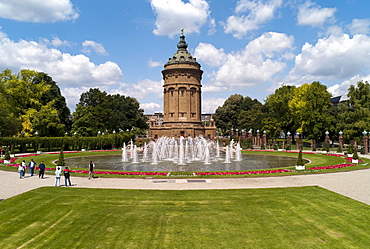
column 247, row 162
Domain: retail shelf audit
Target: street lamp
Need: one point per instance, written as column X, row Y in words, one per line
column 340, row 141
column 365, row 142
column 297, row 141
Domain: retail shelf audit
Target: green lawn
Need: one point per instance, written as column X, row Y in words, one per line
column 305, row 217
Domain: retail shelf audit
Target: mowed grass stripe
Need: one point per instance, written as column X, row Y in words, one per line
column 304, row 217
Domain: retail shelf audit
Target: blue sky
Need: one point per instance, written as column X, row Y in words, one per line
column 249, row 47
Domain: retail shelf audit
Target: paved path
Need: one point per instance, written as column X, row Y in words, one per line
column 354, row 184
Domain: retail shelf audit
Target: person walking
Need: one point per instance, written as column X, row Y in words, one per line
column 91, row 169
column 41, row 170
column 66, row 172
column 58, row 173
column 31, row 165
column 24, row 168
column 21, row 171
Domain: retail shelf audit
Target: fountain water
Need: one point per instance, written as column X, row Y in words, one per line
column 182, row 151
column 217, row 149
column 227, row 155
column 134, row 156
column 124, row 153
column 238, row 152
column 131, row 149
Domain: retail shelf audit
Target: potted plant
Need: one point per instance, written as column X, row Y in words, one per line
column 339, row 150
column 61, row 163
column 287, row 147
column 350, row 151
column 300, row 162
column 263, row 146
column 280, row 147
column 7, row 156
column 355, row 156
column 324, row 148
column 275, row 146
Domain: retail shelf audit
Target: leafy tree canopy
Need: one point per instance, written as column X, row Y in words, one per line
column 99, row 111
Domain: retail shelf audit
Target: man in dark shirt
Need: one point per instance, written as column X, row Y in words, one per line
column 66, row 173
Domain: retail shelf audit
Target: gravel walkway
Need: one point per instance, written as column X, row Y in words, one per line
column 353, row 184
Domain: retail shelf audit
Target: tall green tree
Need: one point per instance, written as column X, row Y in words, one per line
column 354, row 116
column 276, row 107
column 309, row 106
column 23, row 96
column 54, row 96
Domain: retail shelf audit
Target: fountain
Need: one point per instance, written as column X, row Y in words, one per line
column 184, row 154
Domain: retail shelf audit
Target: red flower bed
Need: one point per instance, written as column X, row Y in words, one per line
column 344, row 165
column 12, row 160
column 103, row 150
column 121, row 172
column 51, row 153
column 243, row 172
column 28, row 155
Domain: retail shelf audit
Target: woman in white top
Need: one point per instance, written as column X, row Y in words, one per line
column 20, row 171
column 58, row 173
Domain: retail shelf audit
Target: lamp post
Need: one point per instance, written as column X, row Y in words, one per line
column 341, row 140
column 326, row 137
column 297, row 140
column 237, row 132
column 288, row 140
column 365, row 142
column 258, row 140
column 264, row 138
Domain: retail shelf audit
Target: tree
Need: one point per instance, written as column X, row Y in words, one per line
column 238, row 112
column 54, row 95
column 23, row 96
column 61, row 161
column 99, row 111
column 354, row 116
column 309, row 106
column 300, row 161
column 277, row 107
column 47, row 121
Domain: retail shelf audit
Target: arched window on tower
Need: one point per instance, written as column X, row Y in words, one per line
column 182, row 91
column 171, row 90
column 192, row 91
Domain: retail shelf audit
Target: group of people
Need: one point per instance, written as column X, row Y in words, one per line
column 31, row 166
column 58, row 172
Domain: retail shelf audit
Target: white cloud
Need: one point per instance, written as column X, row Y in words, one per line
column 210, row 105
column 55, row 42
column 253, row 65
column 361, row 26
column 152, row 63
column 38, row 10
column 146, row 87
column 150, row 108
column 66, row 69
column 172, row 15
column 342, row 88
column 258, row 13
column 97, row 47
column 313, row 15
column 209, row 54
column 335, row 57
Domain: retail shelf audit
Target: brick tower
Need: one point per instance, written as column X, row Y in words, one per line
column 182, row 97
